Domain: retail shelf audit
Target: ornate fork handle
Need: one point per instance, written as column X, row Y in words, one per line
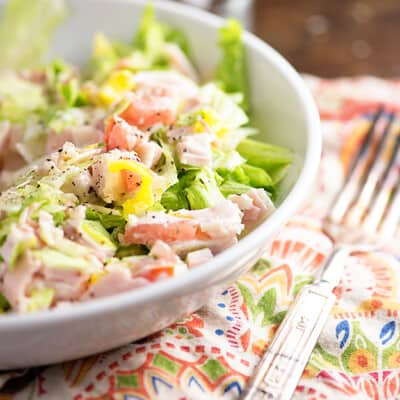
column 280, row 369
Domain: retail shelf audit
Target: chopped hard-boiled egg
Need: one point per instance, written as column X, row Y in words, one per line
column 138, row 181
column 118, row 83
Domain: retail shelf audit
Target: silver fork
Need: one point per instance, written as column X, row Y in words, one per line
column 364, row 213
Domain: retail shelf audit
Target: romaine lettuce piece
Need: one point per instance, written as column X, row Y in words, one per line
column 107, row 217
column 26, row 29
column 196, row 189
column 103, row 59
column 174, row 198
column 40, row 299
column 68, row 118
column 257, row 177
column 63, row 84
column 20, row 248
column 264, row 155
column 231, row 187
column 132, row 250
column 242, row 178
column 96, row 232
column 231, row 71
column 230, row 114
column 149, row 36
column 55, row 259
column 4, row 304
column 19, row 98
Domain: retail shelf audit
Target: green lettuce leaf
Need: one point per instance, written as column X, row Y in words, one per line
column 40, row 299
column 231, row 187
column 196, row 189
column 26, row 28
column 19, row 98
column 231, row 70
column 264, row 155
column 4, row 304
column 108, row 218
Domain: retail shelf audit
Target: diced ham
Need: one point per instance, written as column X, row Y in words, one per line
column 68, row 285
column 121, row 135
column 161, row 263
column 48, row 232
column 145, row 111
column 81, row 136
column 215, row 245
column 215, row 227
column 74, row 231
column 255, row 205
column 17, row 280
column 198, row 257
column 149, row 153
column 176, row 86
column 220, row 221
column 75, row 218
column 177, row 133
column 195, row 150
column 159, row 226
column 118, row 279
column 21, row 233
column 179, row 61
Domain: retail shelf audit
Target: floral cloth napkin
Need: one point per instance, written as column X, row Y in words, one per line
column 211, row 354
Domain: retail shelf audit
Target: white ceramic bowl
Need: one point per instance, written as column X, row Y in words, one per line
column 286, row 115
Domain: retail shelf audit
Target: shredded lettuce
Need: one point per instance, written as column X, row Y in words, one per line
column 231, row 115
column 67, row 118
column 55, row 259
column 226, row 159
column 4, row 304
column 40, row 299
column 231, row 71
column 174, row 198
column 152, row 35
column 242, row 178
column 63, row 84
column 19, row 98
column 231, row 187
column 132, row 250
column 95, row 231
column 108, row 218
column 103, row 58
column 19, row 249
column 26, row 28
column 196, row 189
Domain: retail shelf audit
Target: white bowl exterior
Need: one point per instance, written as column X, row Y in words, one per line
column 286, row 114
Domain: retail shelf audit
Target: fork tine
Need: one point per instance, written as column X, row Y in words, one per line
column 356, row 173
column 392, row 218
column 385, row 189
column 373, row 176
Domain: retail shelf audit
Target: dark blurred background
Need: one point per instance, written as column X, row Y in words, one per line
column 329, row 38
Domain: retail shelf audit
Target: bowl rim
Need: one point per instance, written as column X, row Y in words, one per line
column 192, row 279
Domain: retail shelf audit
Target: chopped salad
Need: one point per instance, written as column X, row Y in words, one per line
column 126, row 171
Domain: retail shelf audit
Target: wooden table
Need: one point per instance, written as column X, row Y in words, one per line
column 331, row 38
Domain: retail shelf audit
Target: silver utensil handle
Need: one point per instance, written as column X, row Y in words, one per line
column 281, row 367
